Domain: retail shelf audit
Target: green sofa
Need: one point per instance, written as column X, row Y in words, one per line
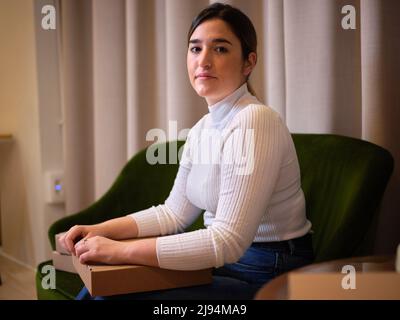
column 343, row 180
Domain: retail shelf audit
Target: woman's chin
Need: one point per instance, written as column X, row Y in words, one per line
column 205, row 92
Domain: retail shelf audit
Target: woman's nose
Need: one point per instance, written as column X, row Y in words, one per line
column 205, row 59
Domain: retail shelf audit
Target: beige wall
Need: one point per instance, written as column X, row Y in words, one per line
column 25, row 216
column 19, row 116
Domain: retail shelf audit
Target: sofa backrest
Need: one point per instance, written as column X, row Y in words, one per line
column 343, row 180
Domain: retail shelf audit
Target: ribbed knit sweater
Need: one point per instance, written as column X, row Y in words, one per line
column 239, row 164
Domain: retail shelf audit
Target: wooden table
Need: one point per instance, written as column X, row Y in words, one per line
column 278, row 288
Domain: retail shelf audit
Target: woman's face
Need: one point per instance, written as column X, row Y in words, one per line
column 215, row 63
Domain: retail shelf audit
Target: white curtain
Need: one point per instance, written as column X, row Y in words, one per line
column 124, row 73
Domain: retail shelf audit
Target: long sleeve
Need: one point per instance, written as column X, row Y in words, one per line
column 177, row 213
column 244, row 195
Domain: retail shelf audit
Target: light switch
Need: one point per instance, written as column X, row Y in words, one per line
column 55, row 189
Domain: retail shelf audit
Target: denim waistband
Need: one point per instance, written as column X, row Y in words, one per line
column 292, row 244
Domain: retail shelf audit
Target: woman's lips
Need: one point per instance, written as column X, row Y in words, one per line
column 204, row 77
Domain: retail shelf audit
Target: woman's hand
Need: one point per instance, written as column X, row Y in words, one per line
column 77, row 232
column 102, row 250
column 118, row 229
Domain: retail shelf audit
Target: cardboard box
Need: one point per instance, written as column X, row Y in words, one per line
column 106, row 280
column 59, row 247
column 322, row 286
column 63, row 262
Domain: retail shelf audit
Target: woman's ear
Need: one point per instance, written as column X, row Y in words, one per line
column 249, row 64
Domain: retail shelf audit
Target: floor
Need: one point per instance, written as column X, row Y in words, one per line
column 18, row 282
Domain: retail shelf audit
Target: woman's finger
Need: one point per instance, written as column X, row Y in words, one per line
column 86, row 257
column 72, row 235
column 61, row 239
column 81, row 247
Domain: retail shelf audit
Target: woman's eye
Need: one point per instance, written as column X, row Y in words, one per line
column 221, row 49
column 195, row 49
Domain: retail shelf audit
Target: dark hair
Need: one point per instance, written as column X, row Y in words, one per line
column 239, row 23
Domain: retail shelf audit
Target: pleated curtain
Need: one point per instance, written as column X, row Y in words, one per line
column 124, row 74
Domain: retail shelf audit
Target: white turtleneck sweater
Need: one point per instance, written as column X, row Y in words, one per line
column 239, row 164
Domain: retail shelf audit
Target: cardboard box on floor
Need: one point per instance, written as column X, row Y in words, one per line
column 107, row 280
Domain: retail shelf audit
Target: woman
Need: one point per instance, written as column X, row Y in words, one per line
column 254, row 213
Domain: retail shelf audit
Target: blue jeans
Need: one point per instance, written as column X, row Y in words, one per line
column 241, row 280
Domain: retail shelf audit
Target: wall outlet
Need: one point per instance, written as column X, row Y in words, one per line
column 55, row 189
